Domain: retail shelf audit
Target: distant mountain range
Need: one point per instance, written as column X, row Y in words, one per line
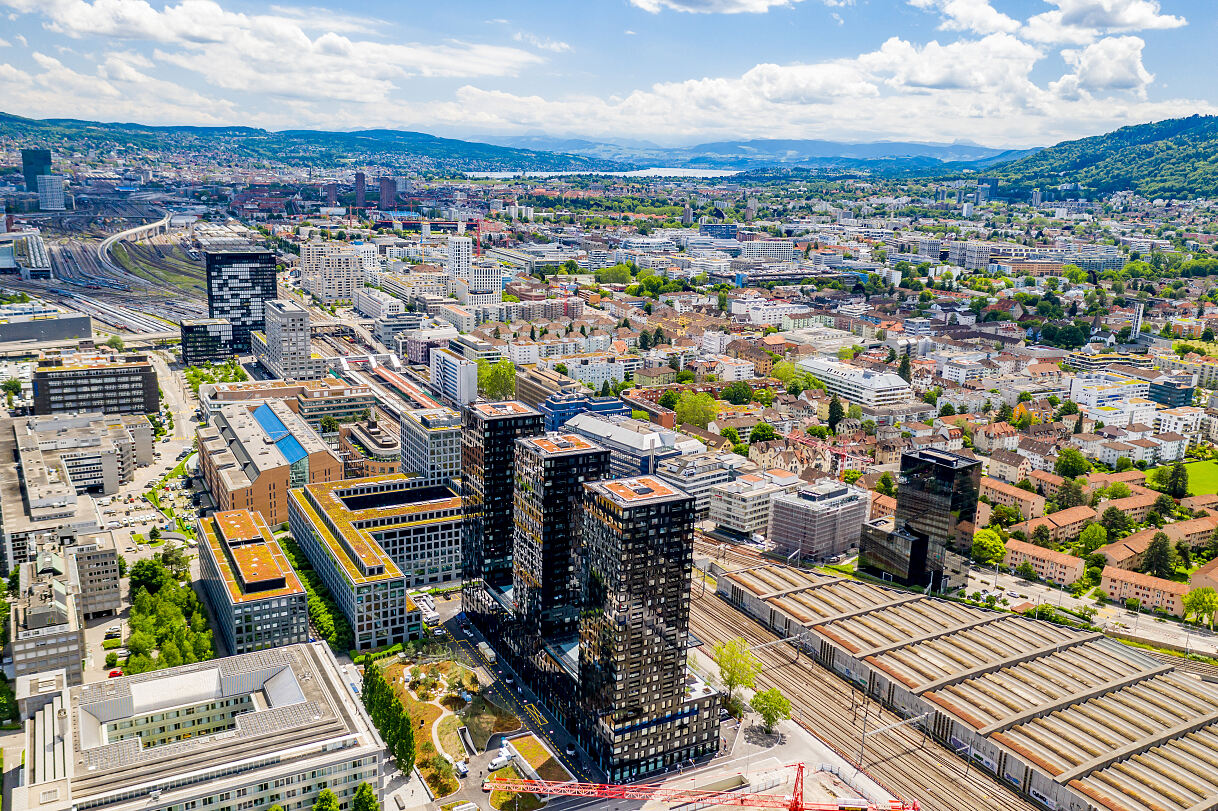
column 1177, row 157
column 766, row 152
column 414, row 150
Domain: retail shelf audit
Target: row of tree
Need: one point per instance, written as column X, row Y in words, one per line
column 390, row 716
column 324, row 615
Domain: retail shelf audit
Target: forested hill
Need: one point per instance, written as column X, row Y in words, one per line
column 1173, row 158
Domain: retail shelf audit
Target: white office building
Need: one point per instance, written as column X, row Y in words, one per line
column 50, row 192
column 431, row 445
column 856, row 385
column 743, row 506
column 454, row 377
column 375, row 303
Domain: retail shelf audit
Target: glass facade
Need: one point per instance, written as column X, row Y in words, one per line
column 239, row 282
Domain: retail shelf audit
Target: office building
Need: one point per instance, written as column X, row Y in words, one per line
column 388, row 193
column 856, row 385
column 92, row 571
column 430, row 442
column 311, row 399
column 818, row 521
column 361, row 190
column 637, row 447
column 534, row 384
column 46, row 626
column 558, row 409
column 936, row 513
column 267, row 728
column 250, row 458
column 35, row 163
column 551, row 471
column 643, row 711
column 369, row 448
column 206, row 340
column 331, row 271
column 75, row 382
column 347, row 530
column 255, row 595
column 50, row 192
column 90, row 452
column 454, row 377
column 488, row 462
column 697, row 473
column 240, row 279
column 285, row 349
column 742, row 506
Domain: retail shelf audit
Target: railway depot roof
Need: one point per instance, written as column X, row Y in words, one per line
column 1113, row 723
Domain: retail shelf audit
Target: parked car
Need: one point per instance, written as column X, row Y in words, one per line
column 461, row 767
column 114, row 674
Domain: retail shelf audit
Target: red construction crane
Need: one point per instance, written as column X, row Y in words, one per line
column 683, row 796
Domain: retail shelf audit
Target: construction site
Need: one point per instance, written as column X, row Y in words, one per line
column 979, row 709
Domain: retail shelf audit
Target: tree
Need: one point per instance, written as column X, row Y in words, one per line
column 772, row 706
column 669, row 399
column 762, row 432
column 1184, row 554
column 722, row 302
column 1115, row 523
column 904, row 369
column 365, row 799
column 1025, row 570
column 1070, row 494
column 140, row 643
column 606, row 389
column 738, row 666
column 1092, row 538
column 1177, row 481
column 738, row 393
column 988, row 547
column 1158, row 560
column 852, row 476
column 1042, row 537
column 696, row 409
column 326, row 801
column 115, row 342
column 1071, row 464
column 1201, row 603
column 730, row 434
column 497, row 381
column 11, row 386
column 147, row 575
column 947, row 410
column 561, row 368
column 1164, row 504
column 784, row 370
column 886, row 485
column 1004, row 515
column 836, row 412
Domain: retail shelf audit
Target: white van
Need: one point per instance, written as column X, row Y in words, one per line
column 500, row 762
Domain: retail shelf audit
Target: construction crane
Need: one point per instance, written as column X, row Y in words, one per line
column 682, row 796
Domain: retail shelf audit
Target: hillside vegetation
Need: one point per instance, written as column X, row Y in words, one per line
column 1173, row 158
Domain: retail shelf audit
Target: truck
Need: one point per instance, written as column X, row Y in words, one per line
column 487, row 653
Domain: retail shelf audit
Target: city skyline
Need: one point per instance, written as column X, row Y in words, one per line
column 1003, row 73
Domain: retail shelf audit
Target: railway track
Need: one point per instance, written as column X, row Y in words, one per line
column 911, row 766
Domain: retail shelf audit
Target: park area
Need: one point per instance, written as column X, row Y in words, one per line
column 1202, row 478
column 441, row 697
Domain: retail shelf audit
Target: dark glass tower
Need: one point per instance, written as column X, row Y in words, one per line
column 550, row 475
column 936, row 512
column 488, row 464
column 34, row 164
column 639, row 713
column 239, row 281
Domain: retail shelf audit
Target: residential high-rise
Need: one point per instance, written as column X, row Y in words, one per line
column 640, row 710
column 488, row 469
column 819, row 521
column 388, row 193
column 550, row 474
column 34, row 164
column 455, row 378
column 331, row 271
column 936, row 514
column 361, row 190
column 50, row 192
column 285, row 348
column 239, row 282
column 431, row 445
column 331, row 194
column 460, row 257
column 205, row 340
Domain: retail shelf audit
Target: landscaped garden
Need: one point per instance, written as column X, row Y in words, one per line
column 540, row 758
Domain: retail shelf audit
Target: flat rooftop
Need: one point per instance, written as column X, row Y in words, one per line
column 507, row 408
column 249, row 559
column 433, row 419
column 638, row 490
column 559, row 444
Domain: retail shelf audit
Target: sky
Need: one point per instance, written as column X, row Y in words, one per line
column 1003, row 73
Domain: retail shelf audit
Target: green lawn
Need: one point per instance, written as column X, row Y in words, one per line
column 1202, row 478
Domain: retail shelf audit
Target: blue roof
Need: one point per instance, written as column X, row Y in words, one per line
column 287, row 444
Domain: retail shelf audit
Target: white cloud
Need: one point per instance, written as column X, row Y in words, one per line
column 21, row 38
column 4, row 43
column 1083, row 21
column 275, row 53
column 541, row 43
column 977, row 16
column 1112, row 64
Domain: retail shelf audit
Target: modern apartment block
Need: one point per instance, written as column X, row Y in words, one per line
column 742, row 506
column 251, row 457
column 240, row 279
column 697, row 473
column 255, row 595
column 340, row 528
column 431, row 445
column 75, row 382
column 855, row 384
column 488, row 462
column 331, row 271
column 551, row 471
column 206, row 340
column 534, row 384
column 285, row 349
column 642, row 711
column 818, row 521
column 454, row 377
column 936, row 512
column 272, row 727
column 46, row 625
